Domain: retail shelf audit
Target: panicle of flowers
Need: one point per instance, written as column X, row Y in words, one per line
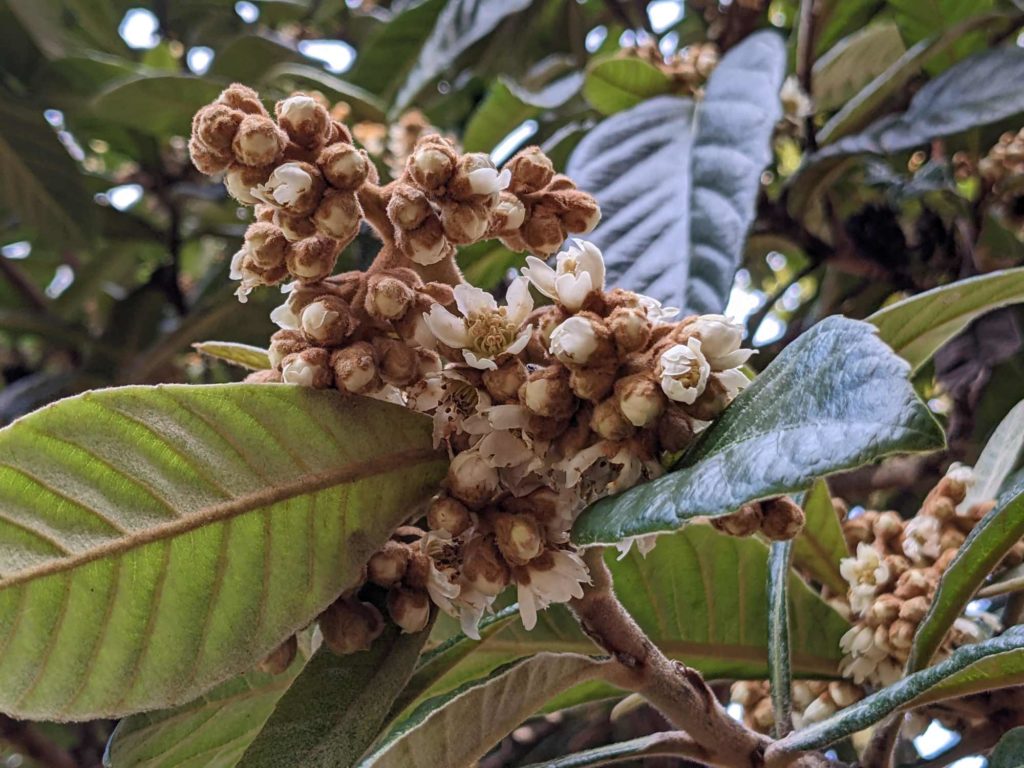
column 688, row 69
column 542, row 409
column 812, row 700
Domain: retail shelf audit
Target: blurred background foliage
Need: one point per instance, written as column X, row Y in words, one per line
column 114, row 251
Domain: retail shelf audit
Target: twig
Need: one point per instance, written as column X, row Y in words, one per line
column 30, row 742
column 679, row 692
column 668, row 744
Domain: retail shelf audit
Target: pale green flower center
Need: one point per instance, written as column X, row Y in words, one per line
column 490, row 331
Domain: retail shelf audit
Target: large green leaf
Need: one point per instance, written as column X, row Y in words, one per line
column 458, row 728
column 820, row 546
column 615, row 83
column 916, row 327
column 335, row 708
column 677, row 182
column 920, row 19
column 460, row 24
column 983, row 550
column 40, row 181
column 213, row 730
column 158, row 105
column 834, row 399
column 995, row 663
column 155, row 541
column 780, row 674
column 978, row 91
column 853, row 63
column 701, row 596
column 365, row 105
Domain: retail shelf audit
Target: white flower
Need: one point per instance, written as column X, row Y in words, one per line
column 921, row 537
column 865, row 573
column 453, row 402
column 656, row 313
column 720, row 341
column 574, row 341
column 684, row 371
column 298, row 108
column 248, row 278
column 285, row 318
column 578, row 271
column 487, row 181
column 485, row 330
column 557, row 576
column 286, row 184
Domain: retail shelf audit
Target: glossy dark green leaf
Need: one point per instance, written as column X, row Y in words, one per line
column 917, row 326
column 507, row 105
column 158, row 105
column 677, row 183
column 920, row 20
column 978, row 91
column 780, row 674
column 995, row 663
column 820, row 546
column 834, row 399
column 983, row 550
column 336, row 706
column 1009, row 752
column 617, row 83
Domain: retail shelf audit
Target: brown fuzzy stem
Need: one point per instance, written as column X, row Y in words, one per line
column 374, row 200
column 679, row 692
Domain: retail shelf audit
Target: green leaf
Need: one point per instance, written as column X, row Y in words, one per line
column 917, row 326
column 853, row 63
column 983, row 550
column 507, row 105
column 834, row 399
column 981, row 90
column 216, row 728
column 459, row 25
column 155, row 541
column 995, row 663
column 460, row 727
column 39, row 179
column 654, row 745
column 997, row 459
column 820, row 546
column 677, row 183
column 617, row 83
column 920, row 19
column 701, row 596
column 157, row 105
column 1009, row 752
column 244, row 355
column 247, row 58
column 364, row 104
column 335, row 708
column 780, row 674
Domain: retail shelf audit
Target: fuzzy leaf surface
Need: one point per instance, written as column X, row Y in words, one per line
column 820, row 546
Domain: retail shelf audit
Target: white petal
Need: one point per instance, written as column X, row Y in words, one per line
column 519, row 300
column 469, row 299
column 734, row 359
column 573, row 290
column 541, row 275
column 480, row 363
column 284, row 317
column 236, row 265
column 591, row 262
column 487, row 181
column 521, row 341
column 527, row 607
column 448, row 328
column 676, row 391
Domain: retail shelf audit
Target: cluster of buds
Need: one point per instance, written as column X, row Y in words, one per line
column 688, row 69
column 778, row 519
column 894, row 576
column 1002, row 169
column 813, row 701
column 300, row 171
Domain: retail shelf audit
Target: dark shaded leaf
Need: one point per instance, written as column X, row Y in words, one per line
column 820, row 546
column 158, row 105
column 617, row 83
column 1009, row 752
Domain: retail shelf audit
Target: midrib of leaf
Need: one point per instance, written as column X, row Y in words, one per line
column 303, row 485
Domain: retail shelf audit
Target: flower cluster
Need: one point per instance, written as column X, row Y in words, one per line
column 543, row 409
column 778, row 519
column 1001, row 170
column 688, row 69
column 813, row 701
column 894, row 576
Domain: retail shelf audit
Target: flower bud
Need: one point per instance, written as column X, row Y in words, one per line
column 387, row 567
column 630, row 328
column 483, row 567
column 914, row 609
column 408, row 207
column 712, row 401
column 546, row 393
column 257, row 142
column 214, row 127
column 208, row 161
column 913, row 583
column 675, row 429
column 284, row 343
column 940, row 507
column 409, row 609
column 426, row 244
column 964, row 632
column 503, row 382
column 447, row 514
column 858, row 530
column 242, row 97
column 471, row 479
column 783, row 519
column 281, row 657
column 307, row 368
column 951, row 539
column 593, row 384
column 295, row 228
column 897, row 565
column 531, row 170
column 888, row 526
column 844, row 693
column 327, row 320
column 464, row 223
column 475, row 176
column 820, row 709
column 884, row 610
column 345, row 167
column 640, row 399
column 901, row 634
column 762, row 716
column 508, row 214
column 747, row 693
column 266, row 245
column 574, row 341
column 609, row 422
column 543, row 232
column 519, row 537
column 432, row 163
column 398, row 363
column 745, row 521
column 349, row 625
column 355, row 369
column 582, row 214
column 306, row 122
column 240, row 180
column 338, row 215
column 312, row 258
column 387, row 297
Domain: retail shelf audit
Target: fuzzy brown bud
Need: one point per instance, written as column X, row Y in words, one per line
column 355, row 369
column 281, row 657
column 349, row 625
column 471, row 479
column 503, row 382
column 531, row 170
column 312, row 258
column 208, row 161
column 888, row 526
column 901, row 634
column 582, row 214
column 630, row 328
column 783, row 519
column 387, row 567
column 464, row 223
column 308, row 368
column 343, row 166
column 547, row 393
column 338, row 215
column 409, row 609
column 884, row 610
column 897, row 565
column 641, row 399
column 542, row 232
column 844, row 693
column 432, row 163
column 257, row 142
column 593, row 384
column 408, row 207
column 913, row 583
column 214, row 127
column 675, row 429
column 914, row 609
column 609, row 422
column 295, row 228
column 387, row 297
column 266, row 245
column 328, row 320
column 398, row 363
column 520, row 539
column 306, row 121
column 284, row 343
column 448, row 514
column 483, row 567
column 241, row 179
column 745, row 521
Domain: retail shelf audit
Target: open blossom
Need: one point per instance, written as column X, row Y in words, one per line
column 577, row 272
column 556, row 576
column 684, row 371
column 921, row 539
column 720, row 341
column 285, row 186
column 574, row 341
column 488, row 181
column 865, row 573
column 485, row 331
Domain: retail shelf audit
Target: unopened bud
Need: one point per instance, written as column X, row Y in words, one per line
column 471, row 479
column 387, row 567
column 257, row 142
column 745, row 521
column 884, row 610
column 508, row 214
column 897, row 566
column 349, row 625
column 215, row 125
column 747, row 693
column 295, row 228
column 266, row 245
column 242, row 97
column 574, row 341
column 312, row 258
column 307, row 368
column 675, row 429
column 398, row 363
column 964, row 632
column 284, row 343
column 447, row 514
column 582, row 214
column 503, row 382
column 426, row 244
column 901, row 634
column 594, row 383
column 640, row 399
column 844, row 693
column 409, row 609
column 913, row 583
column 630, row 328
column 432, row 164
column 483, row 567
column 609, row 422
column 208, row 161
column 338, row 215
column 531, row 170
column 783, row 519
column 327, row 321
column 464, row 223
column 240, row 180
column 888, row 526
column 344, row 166
column 914, row 609
column 408, row 207
column 355, row 369
column 306, row 122
column 519, row 537
column 474, row 176
column 820, row 709
column 543, row 232
column 387, row 298
column 762, row 716
column 547, row 393
column 951, row 539
column 281, row 657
